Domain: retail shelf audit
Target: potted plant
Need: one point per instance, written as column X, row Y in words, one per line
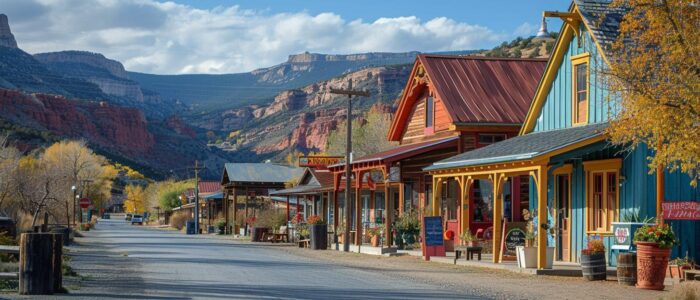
column 468, row 239
column 593, row 264
column 375, row 234
column 318, row 232
column 653, row 249
column 221, row 225
column 526, row 256
column 677, row 267
column 408, row 226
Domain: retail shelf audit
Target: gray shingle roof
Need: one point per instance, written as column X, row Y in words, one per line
column 521, row 147
column 261, row 172
column 603, row 21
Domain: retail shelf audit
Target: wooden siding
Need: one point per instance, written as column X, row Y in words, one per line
column 637, row 192
column 556, row 111
column 415, row 128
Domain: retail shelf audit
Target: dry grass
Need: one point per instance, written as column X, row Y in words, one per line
column 685, row 291
column 178, row 220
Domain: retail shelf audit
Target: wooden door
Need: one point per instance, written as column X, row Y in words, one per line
column 563, row 217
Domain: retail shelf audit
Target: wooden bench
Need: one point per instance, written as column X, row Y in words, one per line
column 692, row 275
column 279, row 236
column 304, row 243
column 468, row 252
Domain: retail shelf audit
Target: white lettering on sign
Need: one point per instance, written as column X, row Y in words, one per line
column 686, row 210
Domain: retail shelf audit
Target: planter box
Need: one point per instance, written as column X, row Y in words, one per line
column 319, row 237
column 527, row 257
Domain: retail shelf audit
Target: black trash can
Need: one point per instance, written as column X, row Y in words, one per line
column 319, row 237
column 190, row 227
column 65, row 231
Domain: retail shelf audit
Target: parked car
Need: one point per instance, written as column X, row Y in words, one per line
column 137, row 219
column 128, row 217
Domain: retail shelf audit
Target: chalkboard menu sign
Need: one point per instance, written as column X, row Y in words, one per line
column 433, row 231
column 513, row 236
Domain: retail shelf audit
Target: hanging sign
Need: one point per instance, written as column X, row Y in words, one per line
column 318, row 161
column 686, row 210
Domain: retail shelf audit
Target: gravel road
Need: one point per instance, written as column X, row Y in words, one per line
column 120, row 261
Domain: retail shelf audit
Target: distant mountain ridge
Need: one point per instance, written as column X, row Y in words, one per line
column 218, row 92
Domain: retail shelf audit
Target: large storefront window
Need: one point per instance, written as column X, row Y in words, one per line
column 483, row 201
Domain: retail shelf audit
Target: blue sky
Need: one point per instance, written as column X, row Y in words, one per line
column 503, row 15
column 218, row 36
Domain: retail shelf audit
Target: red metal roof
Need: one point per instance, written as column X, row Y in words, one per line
column 206, row 187
column 325, row 178
column 483, row 89
column 474, row 89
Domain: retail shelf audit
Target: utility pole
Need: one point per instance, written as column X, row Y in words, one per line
column 348, row 152
column 196, row 195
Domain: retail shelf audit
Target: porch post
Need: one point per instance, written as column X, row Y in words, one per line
column 358, row 209
column 324, row 206
column 287, row 208
column 235, row 210
column 541, row 216
column 497, row 217
column 401, row 199
column 437, row 191
column 464, row 204
column 335, row 211
column 388, row 211
column 372, row 212
column 224, row 204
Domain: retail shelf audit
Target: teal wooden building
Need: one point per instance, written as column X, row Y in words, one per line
column 588, row 183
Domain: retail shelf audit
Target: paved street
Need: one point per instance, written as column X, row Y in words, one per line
column 124, row 261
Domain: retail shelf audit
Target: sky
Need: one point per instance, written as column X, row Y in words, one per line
column 219, row 36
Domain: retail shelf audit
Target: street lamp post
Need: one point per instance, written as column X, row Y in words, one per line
column 75, row 190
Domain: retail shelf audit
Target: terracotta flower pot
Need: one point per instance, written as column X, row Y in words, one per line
column 677, row 271
column 652, row 262
column 375, row 241
column 341, row 238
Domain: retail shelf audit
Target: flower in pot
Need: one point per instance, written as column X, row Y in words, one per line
column 220, row 225
column 530, row 235
column 408, row 226
column 469, row 239
column 375, row 234
column 678, row 266
column 654, row 245
column 593, row 264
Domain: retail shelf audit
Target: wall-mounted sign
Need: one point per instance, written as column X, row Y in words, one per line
column 686, row 210
column 394, row 174
column 318, row 161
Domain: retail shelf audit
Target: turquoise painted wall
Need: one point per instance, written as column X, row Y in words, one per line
column 556, row 111
column 637, row 192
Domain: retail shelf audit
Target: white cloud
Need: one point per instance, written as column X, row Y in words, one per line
column 149, row 36
column 526, row 29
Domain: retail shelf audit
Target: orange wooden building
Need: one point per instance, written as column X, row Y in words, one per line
column 451, row 104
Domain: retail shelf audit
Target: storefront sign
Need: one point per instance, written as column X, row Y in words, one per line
column 513, row 236
column 681, row 210
column 317, row 161
column 433, row 237
column 623, row 233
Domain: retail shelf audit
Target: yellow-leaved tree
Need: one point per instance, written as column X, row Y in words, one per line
column 135, row 201
column 655, row 75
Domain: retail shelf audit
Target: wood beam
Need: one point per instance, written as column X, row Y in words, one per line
column 542, row 217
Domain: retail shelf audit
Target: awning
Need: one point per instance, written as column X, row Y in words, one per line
column 400, row 151
column 524, row 147
column 213, row 196
column 299, row 190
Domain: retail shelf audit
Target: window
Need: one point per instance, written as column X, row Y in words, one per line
column 449, row 199
column 429, row 112
column 486, row 139
column 603, row 195
column 579, row 111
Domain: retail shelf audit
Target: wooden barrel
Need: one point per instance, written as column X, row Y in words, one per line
column 627, row 268
column 593, row 266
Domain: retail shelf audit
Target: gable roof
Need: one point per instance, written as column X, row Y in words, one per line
column 259, row 173
column 602, row 21
column 207, row 187
column 524, row 147
column 474, row 89
column 323, row 180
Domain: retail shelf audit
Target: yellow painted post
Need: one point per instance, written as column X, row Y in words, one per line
column 541, row 217
column 497, row 215
column 437, row 191
column 464, row 205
